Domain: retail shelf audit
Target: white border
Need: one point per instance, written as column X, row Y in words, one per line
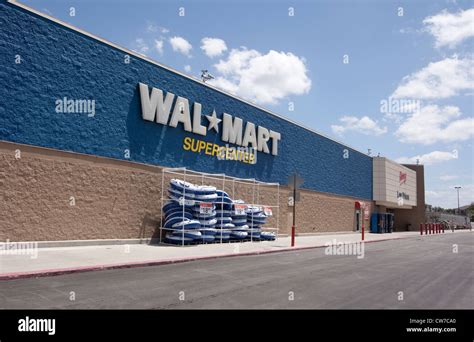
column 14, row 2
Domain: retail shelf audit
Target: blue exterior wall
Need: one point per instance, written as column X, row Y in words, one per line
column 59, row 62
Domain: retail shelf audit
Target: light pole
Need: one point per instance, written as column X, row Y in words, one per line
column 457, row 188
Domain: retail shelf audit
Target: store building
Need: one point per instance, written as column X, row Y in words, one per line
column 399, row 189
column 87, row 126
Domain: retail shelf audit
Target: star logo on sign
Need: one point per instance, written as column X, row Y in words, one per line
column 213, row 121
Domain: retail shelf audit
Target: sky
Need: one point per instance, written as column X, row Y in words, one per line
column 395, row 77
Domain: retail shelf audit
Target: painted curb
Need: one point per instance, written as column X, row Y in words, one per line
column 81, row 269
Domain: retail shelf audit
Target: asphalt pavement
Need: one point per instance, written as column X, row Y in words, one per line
column 434, row 272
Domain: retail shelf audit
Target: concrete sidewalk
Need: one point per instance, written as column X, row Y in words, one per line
column 62, row 260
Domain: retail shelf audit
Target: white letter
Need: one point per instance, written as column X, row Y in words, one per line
column 232, row 132
column 198, row 128
column 59, row 106
column 275, row 136
column 154, row 104
column 250, row 136
column 263, row 136
column 181, row 114
column 52, row 327
column 21, row 325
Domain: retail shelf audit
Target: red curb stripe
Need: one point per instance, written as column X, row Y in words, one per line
column 81, row 269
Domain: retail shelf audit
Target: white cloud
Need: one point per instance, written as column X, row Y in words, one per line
column 432, row 195
column 159, row 46
column 435, row 124
column 153, row 28
column 450, row 29
column 262, row 78
column 237, row 62
column 429, row 158
column 150, row 27
column 448, row 177
column 141, row 46
column 446, row 196
column 225, row 84
column 364, row 125
column 181, row 45
column 406, row 30
column 187, row 68
column 438, row 80
column 213, row 47
column 392, row 118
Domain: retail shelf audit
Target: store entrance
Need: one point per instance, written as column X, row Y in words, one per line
column 391, row 219
column 358, row 221
column 358, row 217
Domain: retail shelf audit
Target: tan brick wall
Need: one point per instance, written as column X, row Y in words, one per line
column 320, row 212
column 112, row 199
column 122, row 200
